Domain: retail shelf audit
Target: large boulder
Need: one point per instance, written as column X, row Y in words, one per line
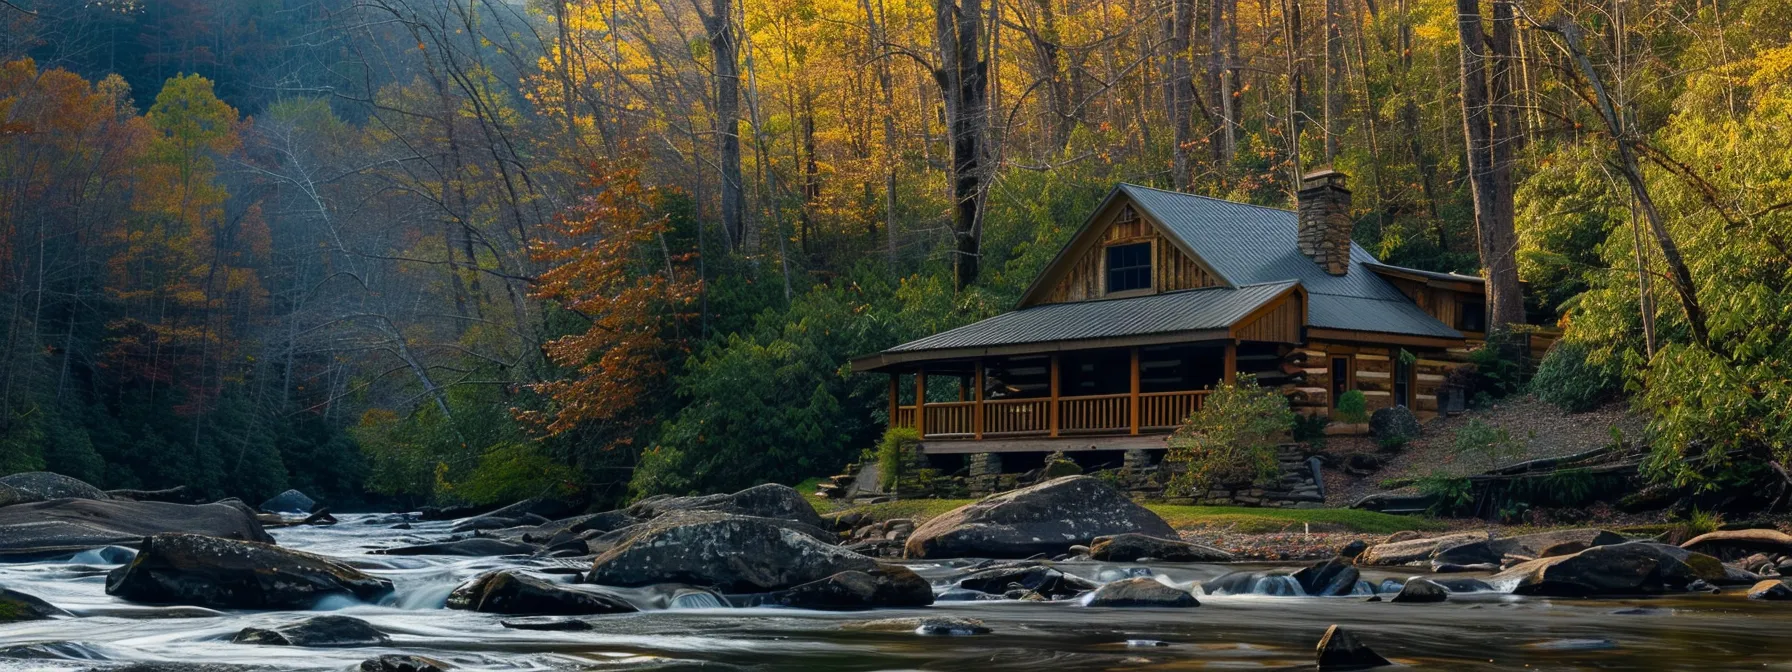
column 1329, row 578
column 1046, row 581
column 398, row 662
column 316, row 631
column 1047, row 518
column 1411, row 551
column 1142, row 591
column 1340, row 650
column 179, row 494
column 769, row 500
column 731, row 553
column 1773, row 590
column 1733, row 544
column 17, row 606
column 1132, row 547
column 1529, row 546
column 1420, row 590
column 884, row 586
column 514, row 593
column 1394, row 426
column 1632, row 568
column 291, row 501
column 228, row 574
column 74, row 525
column 38, row 486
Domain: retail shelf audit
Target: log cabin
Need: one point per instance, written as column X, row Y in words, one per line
column 1159, row 297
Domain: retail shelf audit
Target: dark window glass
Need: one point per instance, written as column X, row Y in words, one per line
column 1471, row 316
column 1402, row 382
column 1129, row 267
column 1340, row 378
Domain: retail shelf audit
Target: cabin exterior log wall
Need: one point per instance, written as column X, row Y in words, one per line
column 1374, row 375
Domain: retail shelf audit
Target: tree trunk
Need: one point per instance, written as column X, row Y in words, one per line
column 1334, row 77
column 1181, row 91
column 1489, row 179
column 1291, row 39
column 958, row 32
column 1219, row 74
column 724, row 44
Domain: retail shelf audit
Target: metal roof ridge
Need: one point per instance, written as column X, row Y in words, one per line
column 1284, row 211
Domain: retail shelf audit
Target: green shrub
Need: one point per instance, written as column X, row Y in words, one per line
column 1568, row 379
column 1497, row 372
column 891, row 454
column 1232, row 439
column 1353, row 407
column 1451, row 495
column 1486, row 444
column 1309, row 429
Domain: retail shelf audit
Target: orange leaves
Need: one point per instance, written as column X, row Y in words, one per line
column 611, row 265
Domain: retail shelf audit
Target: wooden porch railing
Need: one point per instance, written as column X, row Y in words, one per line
column 1096, row 414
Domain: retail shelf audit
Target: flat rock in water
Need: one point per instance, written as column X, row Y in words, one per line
column 1340, row 650
column 1047, row 519
column 926, row 625
column 769, row 500
column 1043, row 580
column 887, row 586
column 1329, row 578
column 731, row 553
column 318, row 631
column 515, row 593
column 1632, row 568
column 179, row 494
column 74, row 525
column 1772, row 590
column 1131, row 547
column 228, row 574
column 39, row 486
column 1492, row 551
column 183, row 667
column 1140, row 592
column 1410, row 551
column 1732, row 544
column 1420, row 590
column 16, row 606
column 394, row 662
column 291, row 501
column 472, row 548
column 550, row 625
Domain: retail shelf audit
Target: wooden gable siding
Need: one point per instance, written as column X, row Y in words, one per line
column 1279, row 324
column 1437, row 302
column 1171, row 270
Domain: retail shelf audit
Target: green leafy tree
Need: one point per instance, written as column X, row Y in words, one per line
column 1232, row 439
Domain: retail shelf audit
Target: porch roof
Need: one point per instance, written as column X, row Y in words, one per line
column 1193, row 315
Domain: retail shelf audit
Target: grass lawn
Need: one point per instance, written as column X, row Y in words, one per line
column 1236, row 518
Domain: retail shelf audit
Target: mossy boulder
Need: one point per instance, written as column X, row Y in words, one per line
column 229, row 574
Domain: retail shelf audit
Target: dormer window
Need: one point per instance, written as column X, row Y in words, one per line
column 1129, row 267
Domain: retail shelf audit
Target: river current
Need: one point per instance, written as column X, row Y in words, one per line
column 1485, row 631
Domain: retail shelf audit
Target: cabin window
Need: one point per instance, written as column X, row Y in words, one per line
column 1340, row 378
column 1471, row 316
column 1402, row 382
column 1129, row 267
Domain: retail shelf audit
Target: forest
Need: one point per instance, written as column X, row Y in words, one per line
column 475, row 250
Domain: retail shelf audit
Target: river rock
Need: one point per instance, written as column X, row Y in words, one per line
column 1394, row 426
column 1353, row 549
column 74, row 525
column 1340, row 650
column 1131, row 547
column 318, row 631
column 291, row 501
column 925, row 625
column 1046, row 581
column 16, row 606
column 228, row 574
column 1253, row 583
column 1047, row 518
column 1732, row 544
column 1559, row 542
column 179, row 494
column 183, row 667
column 1410, row 551
column 531, row 511
column 1329, row 578
column 394, row 662
column 1772, row 590
column 769, row 500
column 471, row 548
column 40, row 486
column 1631, row 568
column 884, row 586
column 731, row 553
column 1419, row 590
column 1142, row 591
column 517, row 594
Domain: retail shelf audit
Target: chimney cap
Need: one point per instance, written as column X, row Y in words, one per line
column 1324, row 177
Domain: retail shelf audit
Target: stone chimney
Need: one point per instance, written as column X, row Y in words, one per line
column 1324, row 207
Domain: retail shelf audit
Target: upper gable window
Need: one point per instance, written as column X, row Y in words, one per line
column 1129, row 267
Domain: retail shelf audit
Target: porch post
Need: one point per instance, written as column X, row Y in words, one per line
column 977, row 409
column 1133, row 403
column 1054, row 418
column 921, row 401
column 1231, row 363
column 895, row 399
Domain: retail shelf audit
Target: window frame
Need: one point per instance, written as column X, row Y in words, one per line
column 1149, row 268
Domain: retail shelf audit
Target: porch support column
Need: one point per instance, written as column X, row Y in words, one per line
column 1231, row 363
column 1133, row 403
column 895, row 400
column 977, row 409
column 921, row 401
column 1054, row 415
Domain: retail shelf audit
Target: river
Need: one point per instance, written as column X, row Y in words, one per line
column 1486, row 631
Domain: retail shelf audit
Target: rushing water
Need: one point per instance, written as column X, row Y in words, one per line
column 1470, row 632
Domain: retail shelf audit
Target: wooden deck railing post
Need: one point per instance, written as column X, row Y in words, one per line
column 1231, row 363
column 1054, row 386
column 1133, row 401
column 977, row 411
column 895, row 400
column 921, row 402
